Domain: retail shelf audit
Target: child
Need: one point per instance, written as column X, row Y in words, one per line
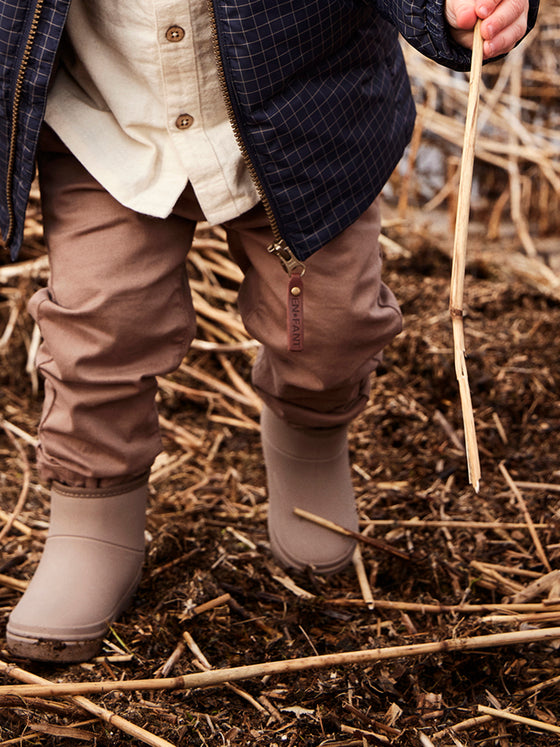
column 280, row 120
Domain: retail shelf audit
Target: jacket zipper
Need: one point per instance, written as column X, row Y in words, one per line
column 15, row 117
column 279, row 247
column 291, row 264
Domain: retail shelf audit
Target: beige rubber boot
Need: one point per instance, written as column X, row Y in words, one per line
column 87, row 575
column 309, row 469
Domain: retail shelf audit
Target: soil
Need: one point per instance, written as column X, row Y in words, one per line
column 207, row 538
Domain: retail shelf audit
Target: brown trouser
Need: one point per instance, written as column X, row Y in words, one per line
column 118, row 312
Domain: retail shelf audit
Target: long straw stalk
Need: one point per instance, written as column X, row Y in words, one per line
column 459, row 261
column 288, row 666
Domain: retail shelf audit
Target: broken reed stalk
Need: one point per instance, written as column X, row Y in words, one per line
column 519, row 719
column 451, row 524
column 459, row 261
column 525, row 511
column 287, row 666
column 86, row 705
column 25, row 483
column 373, row 541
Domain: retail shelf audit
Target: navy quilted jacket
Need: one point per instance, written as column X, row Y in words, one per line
column 317, row 90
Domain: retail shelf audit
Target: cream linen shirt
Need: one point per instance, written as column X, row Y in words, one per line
column 137, row 100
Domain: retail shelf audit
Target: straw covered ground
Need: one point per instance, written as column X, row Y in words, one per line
column 438, row 565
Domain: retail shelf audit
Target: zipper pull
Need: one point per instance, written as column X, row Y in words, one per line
column 294, row 316
column 289, row 261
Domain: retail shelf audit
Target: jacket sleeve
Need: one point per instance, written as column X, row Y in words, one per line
column 423, row 24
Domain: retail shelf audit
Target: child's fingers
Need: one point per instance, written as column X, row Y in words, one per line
column 504, row 23
column 461, row 14
column 504, row 26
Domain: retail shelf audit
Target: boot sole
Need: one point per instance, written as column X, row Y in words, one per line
column 66, row 651
column 39, row 649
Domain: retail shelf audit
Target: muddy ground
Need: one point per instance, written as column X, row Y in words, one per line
column 207, row 536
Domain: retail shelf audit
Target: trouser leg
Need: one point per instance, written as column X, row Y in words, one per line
column 116, row 314
column 349, row 317
column 310, row 396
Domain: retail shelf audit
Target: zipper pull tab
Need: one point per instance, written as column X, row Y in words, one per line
column 294, row 316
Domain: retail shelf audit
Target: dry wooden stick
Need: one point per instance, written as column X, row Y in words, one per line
column 224, row 347
column 216, row 384
column 19, row 432
column 451, row 524
column 205, row 665
column 516, row 62
column 538, row 687
column 86, row 705
column 512, row 571
column 379, row 544
column 537, row 587
column 31, row 268
column 19, row 525
column 13, row 583
column 523, row 506
column 367, row 593
column 536, row 617
column 519, row 719
column 549, row 486
column 206, row 606
column 437, row 609
column 493, row 575
column 459, row 261
column 181, row 435
column 462, row 726
column 287, row 666
column 25, row 482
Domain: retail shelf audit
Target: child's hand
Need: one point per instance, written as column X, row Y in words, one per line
column 504, row 23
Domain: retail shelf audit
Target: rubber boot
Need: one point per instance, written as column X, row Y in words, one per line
column 87, row 575
column 308, row 469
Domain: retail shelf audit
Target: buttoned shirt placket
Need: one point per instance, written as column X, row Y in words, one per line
column 143, row 110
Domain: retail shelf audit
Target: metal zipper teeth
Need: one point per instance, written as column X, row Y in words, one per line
column 15, row 115
column 233, row 121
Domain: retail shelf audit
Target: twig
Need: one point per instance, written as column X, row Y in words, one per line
column 288, row 666
column 548, row 486
column 19, row 432
column 537, row 688
column 31, row 268
column 377, row 543
column 538, row 617
column 171, row 661
column 25, row 481
column 536, row 588
column 462, row 726
column 437, row 609
column 459, row 261
column 181, row 435
column 362, row 578
column 507, row 584
column 523, row 506
column 218, row 385
column 205, row 665
column 519, row 719
column 19, row 525
column 451, row 524
column 206, row 606
column 101, row 713
column 13, row 583
column 225, row 347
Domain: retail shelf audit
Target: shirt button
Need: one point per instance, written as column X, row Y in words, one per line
column 184, row 121
column 175, row 34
